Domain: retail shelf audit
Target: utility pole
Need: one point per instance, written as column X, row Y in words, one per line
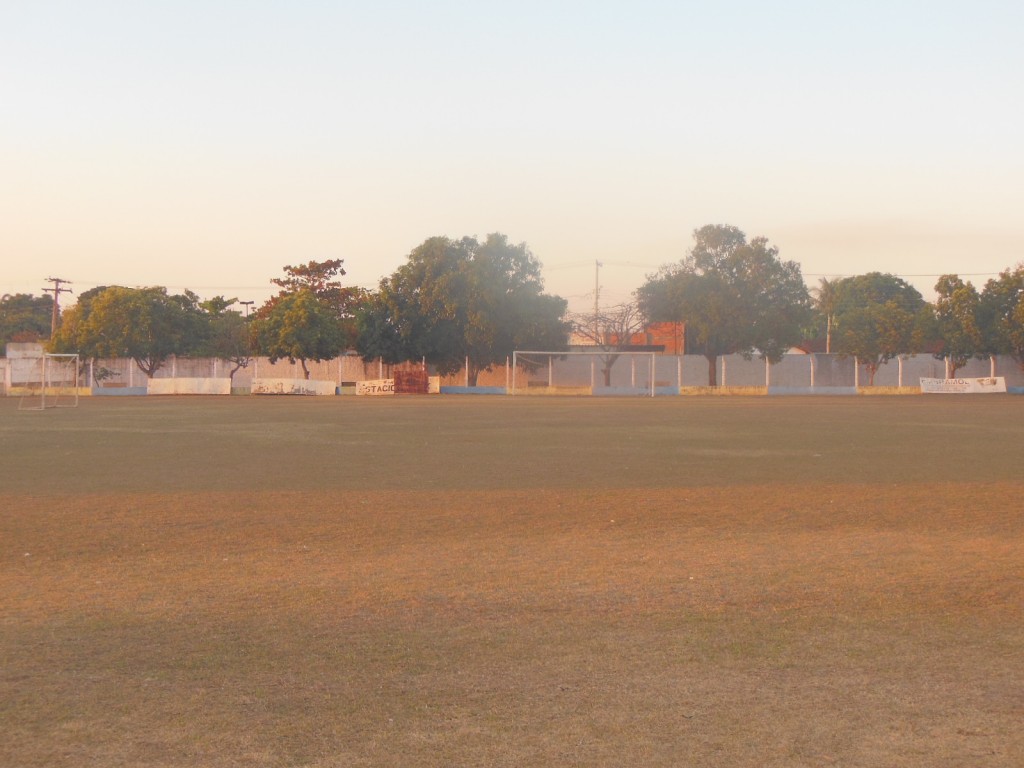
column 56, row 291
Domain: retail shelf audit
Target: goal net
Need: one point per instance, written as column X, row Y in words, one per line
column 50, row 381
column 600, row 372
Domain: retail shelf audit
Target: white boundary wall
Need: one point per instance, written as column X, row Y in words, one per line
column 670, row 370
column 634, row 371
column 188, row 387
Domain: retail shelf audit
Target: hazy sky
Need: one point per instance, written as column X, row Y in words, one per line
column 205, row 145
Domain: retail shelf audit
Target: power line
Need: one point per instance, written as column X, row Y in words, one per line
column 903, row 274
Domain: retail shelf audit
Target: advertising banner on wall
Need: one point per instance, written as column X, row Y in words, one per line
column 292, row 387
column 988, row 385
column 376, row 387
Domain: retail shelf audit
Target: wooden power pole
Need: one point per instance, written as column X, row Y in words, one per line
column 56, row 291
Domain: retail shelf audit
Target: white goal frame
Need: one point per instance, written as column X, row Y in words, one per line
column 594, row 355
column 56, row 386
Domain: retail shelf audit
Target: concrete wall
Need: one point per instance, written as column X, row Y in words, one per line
column 188, row 386
column 569, row 373
column 734, row 371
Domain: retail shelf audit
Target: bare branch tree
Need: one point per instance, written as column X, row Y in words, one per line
column 610, row 330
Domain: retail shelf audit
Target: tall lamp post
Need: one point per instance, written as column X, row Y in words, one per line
column 246, row 304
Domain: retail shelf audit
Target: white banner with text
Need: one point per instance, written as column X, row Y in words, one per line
column 987, row 385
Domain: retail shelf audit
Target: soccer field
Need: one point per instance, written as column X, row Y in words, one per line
column 513, row 581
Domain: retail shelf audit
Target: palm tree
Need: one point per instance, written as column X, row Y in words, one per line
column 826, row 297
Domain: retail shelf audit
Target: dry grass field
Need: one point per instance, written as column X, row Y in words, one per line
column 513, row 582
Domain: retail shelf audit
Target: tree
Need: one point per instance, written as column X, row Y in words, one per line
column 297, row 325
column 1001, row 314
column 226, row 335
column 957, row 322
column 24, row 317
column 611, row 331
column 877, row 317
column 145, row 324
column 313, row 317
column 825, row 302
column 462, row 299
column 319, row 278
column 733, row 296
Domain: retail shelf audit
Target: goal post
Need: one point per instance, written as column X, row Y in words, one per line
column 50, row 381
column 596, row 372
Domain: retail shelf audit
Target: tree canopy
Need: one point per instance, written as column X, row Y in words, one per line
column 957, row 322
column 225, row 334
column 455, row 300
column 144, row 324
column 311, row 318
column 1002, row 314
column 734, row 296
column 24, row 317
column 877, row 317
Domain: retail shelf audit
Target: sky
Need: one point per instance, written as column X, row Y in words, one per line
column 206, row 145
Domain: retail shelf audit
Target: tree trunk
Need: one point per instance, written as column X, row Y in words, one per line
column 472, row 375
column 609, row 362
column 955, row 364
column 305, row 370
column 148, row 367
column 712, row 370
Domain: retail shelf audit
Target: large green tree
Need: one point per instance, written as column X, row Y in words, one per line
column 957, row 322
column 1001, row 314
column 24, row 317
column 144, row 324
column 313, row 317
column 877, row 317
column 319, row 277
column 297, row 326
column 735, row 297
column 455, row 300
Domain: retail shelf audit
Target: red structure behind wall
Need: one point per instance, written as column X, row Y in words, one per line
column 670, row 337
